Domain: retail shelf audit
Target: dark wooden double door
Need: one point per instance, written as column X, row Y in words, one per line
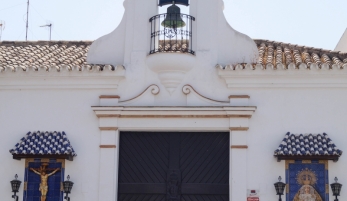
column 180, row 166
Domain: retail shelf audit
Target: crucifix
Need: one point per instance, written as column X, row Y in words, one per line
column 42, row 171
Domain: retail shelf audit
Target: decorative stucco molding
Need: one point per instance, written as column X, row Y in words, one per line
column 188, row 88
column 154, row 89
column 145, row 97
column 171, row 68
column 193, row 98
column 196, row 98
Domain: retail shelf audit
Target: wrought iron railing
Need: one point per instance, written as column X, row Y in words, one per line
column 171, row 33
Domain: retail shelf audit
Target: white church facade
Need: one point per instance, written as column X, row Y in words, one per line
column 172, row 107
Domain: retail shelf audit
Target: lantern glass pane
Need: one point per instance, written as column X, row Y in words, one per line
column 333, row 188
column 15, row 185
column 70, row 186
column 279, row 186
column 67, row 186
column 336, row 189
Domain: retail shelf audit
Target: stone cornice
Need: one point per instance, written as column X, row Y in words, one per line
column 174, row 112
column 106, row 79
column 249, row 76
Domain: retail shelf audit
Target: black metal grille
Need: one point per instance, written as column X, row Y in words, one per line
column 174, row 166
column 171, row 38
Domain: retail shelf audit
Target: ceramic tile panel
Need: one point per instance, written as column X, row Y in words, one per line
column 32, row 193
column 307, row 179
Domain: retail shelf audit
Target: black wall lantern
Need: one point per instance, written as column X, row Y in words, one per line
column 15, row 184
column 336, row 188
column 279, row 188
column 67, row 188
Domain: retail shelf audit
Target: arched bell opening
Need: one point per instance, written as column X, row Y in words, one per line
column 172, row 31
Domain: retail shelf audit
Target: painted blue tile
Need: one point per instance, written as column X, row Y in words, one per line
column 316, row 168
column 57, row 185
column 37, row 193
column 30, row 193
column 30, row 186
column 54, row 193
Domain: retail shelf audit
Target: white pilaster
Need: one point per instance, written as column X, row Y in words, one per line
column 109, row 146
column 238, row 165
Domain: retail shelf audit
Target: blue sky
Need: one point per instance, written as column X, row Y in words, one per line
column 315, row 23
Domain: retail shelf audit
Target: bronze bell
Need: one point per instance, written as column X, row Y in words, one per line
column 173, row 18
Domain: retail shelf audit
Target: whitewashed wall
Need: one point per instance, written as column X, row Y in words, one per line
column 342, row 45
column 52, row 110
column 62, row 102
column 294, row 109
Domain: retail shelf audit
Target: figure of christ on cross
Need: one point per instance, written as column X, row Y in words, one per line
column 44, row 177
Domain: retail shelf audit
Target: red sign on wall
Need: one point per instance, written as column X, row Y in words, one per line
column 252, row 199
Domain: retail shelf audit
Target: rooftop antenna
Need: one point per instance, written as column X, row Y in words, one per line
column 2, row 27
column 48, row 24
column 27, row 24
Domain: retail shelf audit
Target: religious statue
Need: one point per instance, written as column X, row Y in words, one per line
column 44, row 177
column 307, row 179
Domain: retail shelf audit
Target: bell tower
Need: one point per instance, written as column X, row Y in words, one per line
column 172, row 53
column 171, row 44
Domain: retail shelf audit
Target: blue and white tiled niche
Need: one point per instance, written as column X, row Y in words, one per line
column 318, row 169
column 32, row 180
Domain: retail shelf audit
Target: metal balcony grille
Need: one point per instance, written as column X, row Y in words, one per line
column 171, row 37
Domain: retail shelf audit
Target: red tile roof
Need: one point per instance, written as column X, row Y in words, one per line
column 72, row 55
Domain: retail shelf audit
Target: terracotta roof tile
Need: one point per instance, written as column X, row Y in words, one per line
column 72, row 55
column 275, row 55
column 293, row 54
